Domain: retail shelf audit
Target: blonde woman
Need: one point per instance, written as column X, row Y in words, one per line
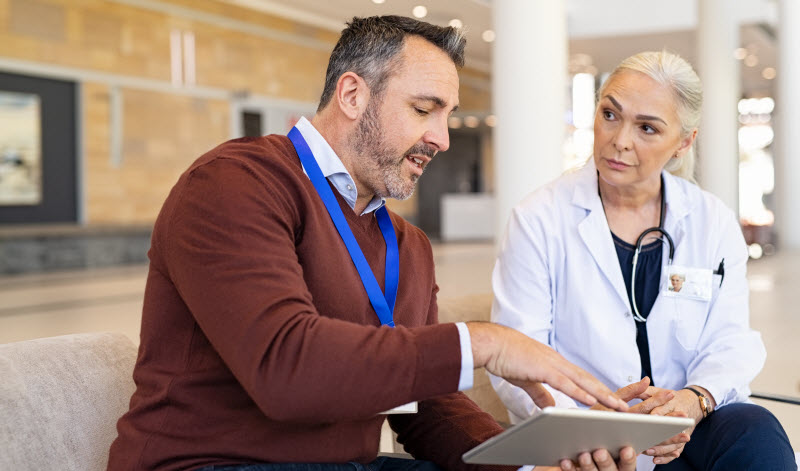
column 584, row 268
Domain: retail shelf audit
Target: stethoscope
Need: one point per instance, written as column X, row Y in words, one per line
column 638, row 249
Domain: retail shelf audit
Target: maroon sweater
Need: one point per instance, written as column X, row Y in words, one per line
column 258, row 342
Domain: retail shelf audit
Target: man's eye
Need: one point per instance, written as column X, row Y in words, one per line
column 420, row 111
column 608, row 114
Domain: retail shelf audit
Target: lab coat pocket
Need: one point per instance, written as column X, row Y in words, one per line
column 689, row 320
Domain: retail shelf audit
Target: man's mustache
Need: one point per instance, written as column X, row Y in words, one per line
column 422, row 149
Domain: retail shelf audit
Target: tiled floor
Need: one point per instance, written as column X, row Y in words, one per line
column 34, row 306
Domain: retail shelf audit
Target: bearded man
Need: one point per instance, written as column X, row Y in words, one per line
column 286, row 307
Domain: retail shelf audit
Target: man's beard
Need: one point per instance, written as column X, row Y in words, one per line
column 379, row 162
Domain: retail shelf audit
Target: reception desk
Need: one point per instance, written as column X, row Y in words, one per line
column 467, row 217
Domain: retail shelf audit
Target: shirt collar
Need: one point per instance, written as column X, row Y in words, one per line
column 586, row 195
column 332, row 167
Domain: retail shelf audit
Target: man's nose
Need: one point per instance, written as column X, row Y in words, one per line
column 438, row 136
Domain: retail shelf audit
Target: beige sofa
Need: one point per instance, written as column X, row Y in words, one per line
column 60, row 397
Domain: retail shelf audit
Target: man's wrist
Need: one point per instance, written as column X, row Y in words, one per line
column 482, row 341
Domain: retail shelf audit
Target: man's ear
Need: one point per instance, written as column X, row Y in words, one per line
column 352, row 95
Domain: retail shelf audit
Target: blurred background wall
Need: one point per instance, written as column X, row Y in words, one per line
column 129, row 92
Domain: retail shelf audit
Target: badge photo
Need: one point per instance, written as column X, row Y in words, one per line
column 688, row 282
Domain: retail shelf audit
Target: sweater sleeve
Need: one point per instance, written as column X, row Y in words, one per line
column 228, row 243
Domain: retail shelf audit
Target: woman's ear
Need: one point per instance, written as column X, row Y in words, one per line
column 686, row 143
column 352, row 95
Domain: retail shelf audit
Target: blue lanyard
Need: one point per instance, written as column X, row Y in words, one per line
column 383, row 304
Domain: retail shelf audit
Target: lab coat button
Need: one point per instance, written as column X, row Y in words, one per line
column 630, row 378
column 627, row 314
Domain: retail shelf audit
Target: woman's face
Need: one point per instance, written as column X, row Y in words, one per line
column 677, row 282
column 636, row 131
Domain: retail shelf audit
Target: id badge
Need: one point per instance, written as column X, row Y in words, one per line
column 688, row 282
column 410, row 408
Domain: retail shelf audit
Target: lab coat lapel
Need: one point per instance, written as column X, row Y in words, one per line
column 594, row 230
column 678, row 207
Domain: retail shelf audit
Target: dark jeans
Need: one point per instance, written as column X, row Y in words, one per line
column 383, row 463
column 736, row 437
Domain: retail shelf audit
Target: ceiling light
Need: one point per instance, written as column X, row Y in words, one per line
column 581, row 59
column 454, row 122
column 378, row 1
column 491, row 120
column 740, row 53
column 769, row 73
column 456, row 23
column 751, row 60
column 488, row 35
column 471, row 122
column 419, row 11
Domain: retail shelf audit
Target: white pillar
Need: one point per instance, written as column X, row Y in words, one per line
column 787, row 120
column 718, row 159
column 529, row 85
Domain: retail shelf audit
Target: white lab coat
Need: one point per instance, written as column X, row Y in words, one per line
column 558, row 280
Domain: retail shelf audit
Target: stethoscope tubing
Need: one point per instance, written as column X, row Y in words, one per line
column 636, row 315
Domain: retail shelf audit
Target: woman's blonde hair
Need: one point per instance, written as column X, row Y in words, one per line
column 675, row 72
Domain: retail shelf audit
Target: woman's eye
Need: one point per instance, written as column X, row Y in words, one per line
column 648, row 129
column 608, row 115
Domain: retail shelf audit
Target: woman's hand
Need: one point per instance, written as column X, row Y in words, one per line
column 671, row 448
column 685, row 401
column 651, row 397
column 658, row 401
column 683, row 404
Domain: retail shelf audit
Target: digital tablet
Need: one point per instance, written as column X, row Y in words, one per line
column 552, row 434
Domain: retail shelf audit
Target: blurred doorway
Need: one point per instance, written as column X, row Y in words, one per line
column 456, row 171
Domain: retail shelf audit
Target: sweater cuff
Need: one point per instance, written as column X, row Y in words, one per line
column 438, row 362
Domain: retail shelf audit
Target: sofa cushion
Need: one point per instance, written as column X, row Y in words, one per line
column 60, row 398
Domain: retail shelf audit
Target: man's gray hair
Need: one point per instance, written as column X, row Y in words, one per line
column 370, row 47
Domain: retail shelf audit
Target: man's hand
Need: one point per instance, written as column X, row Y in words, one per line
column 598, row 460
column 527, row 363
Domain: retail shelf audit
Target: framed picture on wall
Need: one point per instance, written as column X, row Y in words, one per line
column 38, row 150
column 20, row 149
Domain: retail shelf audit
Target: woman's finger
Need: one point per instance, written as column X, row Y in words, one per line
column 540, row 395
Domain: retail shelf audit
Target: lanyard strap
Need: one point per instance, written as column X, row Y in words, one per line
column 382, row 304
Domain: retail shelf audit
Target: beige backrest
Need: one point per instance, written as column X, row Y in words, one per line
column 475, row 308
column 60, row 399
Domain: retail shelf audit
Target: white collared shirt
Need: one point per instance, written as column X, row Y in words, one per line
column 334, row 170
column 332, row 167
